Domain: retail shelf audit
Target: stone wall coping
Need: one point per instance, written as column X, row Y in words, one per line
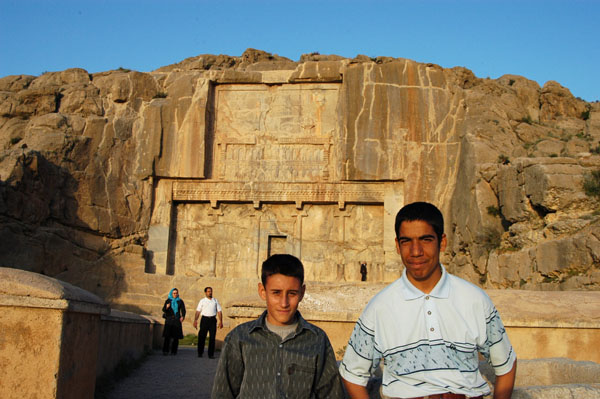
column 561, row 309
column 27, row 289
column 518, row 308
column 128, row 317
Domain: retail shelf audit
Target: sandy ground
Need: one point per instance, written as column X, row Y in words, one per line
column 182, row 376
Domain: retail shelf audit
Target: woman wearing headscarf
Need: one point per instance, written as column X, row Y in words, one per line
column 174, row 314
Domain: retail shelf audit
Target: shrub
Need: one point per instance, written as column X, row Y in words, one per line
column 189, row 339
column 584, row 136
column 527, row 120
column 490, row 239
column 503, row 159
column 591, row 184
column 585, row 115
column 340, row 352
column 492, row 210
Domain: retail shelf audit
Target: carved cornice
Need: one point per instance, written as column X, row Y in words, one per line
column 257, row 192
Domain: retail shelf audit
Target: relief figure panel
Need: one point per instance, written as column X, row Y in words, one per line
column 275, row 133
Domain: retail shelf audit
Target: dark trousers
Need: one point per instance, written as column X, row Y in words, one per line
column 207, row 325
column 170, row 342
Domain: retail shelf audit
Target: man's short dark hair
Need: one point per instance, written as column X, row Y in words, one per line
column 421, row 211
column 285, row 264
column 207, row 288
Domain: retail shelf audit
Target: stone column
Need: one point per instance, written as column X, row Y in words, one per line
column 157, row 247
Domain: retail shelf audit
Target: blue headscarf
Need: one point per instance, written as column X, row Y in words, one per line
column 174, row 301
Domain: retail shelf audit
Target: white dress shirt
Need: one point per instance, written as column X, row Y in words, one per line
column 208, row 307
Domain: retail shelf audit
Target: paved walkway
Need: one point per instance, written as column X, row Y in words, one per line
column 183, row 376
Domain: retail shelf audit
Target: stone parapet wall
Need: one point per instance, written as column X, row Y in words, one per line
column 56, row 339
column 125, row 337
column 539, row 324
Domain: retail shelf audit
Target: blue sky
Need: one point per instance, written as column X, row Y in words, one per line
column 541, row 40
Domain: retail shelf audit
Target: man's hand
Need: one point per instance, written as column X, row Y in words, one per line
column 195, row 324
column 220, row 324
column 504, row 384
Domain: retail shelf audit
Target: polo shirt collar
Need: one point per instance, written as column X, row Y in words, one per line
column 410, row 292
column 260, row 323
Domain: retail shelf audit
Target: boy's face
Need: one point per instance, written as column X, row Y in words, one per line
column 282, row 295
column 419, row 247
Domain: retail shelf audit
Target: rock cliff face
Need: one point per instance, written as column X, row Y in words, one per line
column 127, row 183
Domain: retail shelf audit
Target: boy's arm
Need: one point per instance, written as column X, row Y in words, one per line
column 355, row 391
column 230, row 370
column 329, row 383
column 504, row 384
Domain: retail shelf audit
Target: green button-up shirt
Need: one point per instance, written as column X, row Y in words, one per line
column 257, row 363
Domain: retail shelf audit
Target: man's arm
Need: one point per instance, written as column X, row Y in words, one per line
column 504, row 383
column 220, row 314
column 355, row 391
column 196, row 319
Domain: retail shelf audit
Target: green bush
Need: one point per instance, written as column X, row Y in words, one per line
column 489, row 239
column 503, row 159
column 585, row 115
column 189, row 339
column 492, row 210
column 527, row 120
column 591, row 184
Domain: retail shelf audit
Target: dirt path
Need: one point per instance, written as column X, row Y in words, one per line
column 183, row 376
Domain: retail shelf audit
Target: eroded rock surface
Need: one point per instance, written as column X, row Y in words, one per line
column 128, row 183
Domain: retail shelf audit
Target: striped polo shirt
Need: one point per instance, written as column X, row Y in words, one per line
column 429, row 342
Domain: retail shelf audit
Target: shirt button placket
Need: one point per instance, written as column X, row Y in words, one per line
column 279, row 351
column 430, row 319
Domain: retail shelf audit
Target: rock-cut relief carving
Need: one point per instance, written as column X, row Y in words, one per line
column 275, row 133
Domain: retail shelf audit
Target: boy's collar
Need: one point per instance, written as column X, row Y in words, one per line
column 302, row 324
column 441, row 289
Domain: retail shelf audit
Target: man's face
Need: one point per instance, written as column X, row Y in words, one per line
column 420, row 249
column 208, row 293
column 282, row 295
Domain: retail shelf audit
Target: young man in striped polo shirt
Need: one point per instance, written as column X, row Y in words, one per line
column 428, row 326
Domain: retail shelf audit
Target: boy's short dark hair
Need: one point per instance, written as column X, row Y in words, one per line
column 421, row 211
column 207, row 288
column 285, row 264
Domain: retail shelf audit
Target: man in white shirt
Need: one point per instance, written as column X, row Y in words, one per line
column 429, row 326
column 209, row 308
